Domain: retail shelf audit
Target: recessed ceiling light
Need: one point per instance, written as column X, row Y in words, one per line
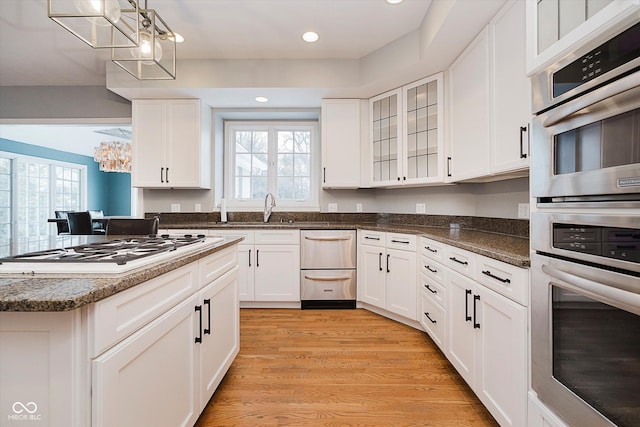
column 394, row 1
column 262, row 99
column 310, row 36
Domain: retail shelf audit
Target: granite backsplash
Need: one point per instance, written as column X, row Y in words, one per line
column 512, row 227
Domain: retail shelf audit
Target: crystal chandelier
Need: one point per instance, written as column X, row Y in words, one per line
column 114, row 156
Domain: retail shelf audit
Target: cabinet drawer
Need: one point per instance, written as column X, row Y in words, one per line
column 116, row 317
column 461, row 261
column 277, row 237
column 404, row 242
column 372, row 238
column 327, row 284
column 183, row 231
column 436, row 291
column 435, row 250
column 507, row 280
column 248, row 235
column 432, row 318
column 216, row 264
column 431, row 269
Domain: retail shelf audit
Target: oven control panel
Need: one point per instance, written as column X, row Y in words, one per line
column 610, row 242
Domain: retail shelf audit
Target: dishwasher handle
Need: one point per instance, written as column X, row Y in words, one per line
column 328, row 238
column 327, row 279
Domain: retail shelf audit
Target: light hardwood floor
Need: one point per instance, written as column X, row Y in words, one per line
column 339, row 368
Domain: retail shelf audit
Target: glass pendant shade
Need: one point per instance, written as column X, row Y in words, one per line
column 155, row 56
column 99, row 23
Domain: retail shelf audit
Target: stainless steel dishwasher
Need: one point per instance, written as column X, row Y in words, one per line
column 328, row 268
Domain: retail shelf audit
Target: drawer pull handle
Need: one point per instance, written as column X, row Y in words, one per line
column 493, row 276
column 404, row 242
column 371, row 238
column 433, row 291
column 327, row 290
column 328, row 239
column 433, row 270
column 429, row 317
column 435, row 251
column 458, row 261
column 326, row 279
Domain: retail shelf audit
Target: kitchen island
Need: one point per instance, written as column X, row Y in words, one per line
column 144, row 347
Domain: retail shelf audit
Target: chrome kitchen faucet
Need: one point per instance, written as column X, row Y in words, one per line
column 267, row 209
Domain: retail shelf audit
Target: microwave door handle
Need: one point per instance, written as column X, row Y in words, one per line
column 620, row 298
column 604, row 93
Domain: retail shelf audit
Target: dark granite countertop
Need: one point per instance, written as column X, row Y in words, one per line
column 477, row 235
column 68, row 291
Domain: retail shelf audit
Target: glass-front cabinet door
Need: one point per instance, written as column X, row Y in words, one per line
column 406, row 129
column 385, row 111
column 423, row 131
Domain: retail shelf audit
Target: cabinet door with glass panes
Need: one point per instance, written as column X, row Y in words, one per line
column 385, row 111
column 423, row 131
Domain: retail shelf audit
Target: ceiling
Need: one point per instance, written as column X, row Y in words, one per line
column 37, row 51
column 235, row 50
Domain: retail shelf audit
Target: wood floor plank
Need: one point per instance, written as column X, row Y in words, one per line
column 339, row 368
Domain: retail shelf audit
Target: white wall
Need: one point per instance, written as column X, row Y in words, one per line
column 495, row 199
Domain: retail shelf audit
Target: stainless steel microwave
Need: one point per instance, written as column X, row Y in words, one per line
column 586, row 138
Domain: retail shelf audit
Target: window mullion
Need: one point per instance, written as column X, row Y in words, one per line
column 272, row 185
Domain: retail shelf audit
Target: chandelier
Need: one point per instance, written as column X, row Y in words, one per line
column 141, row 41
column 114, row 156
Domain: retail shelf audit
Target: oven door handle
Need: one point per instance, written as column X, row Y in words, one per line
column 617, row 297
column 604, row 93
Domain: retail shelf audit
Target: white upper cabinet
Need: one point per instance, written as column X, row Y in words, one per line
column 423, row 153
column 341, row 143
column 556, row 28
column 511, row 90
column 171, row 143
column 385, row 119
column 469, row 111
column 406, row 139
column 490, row 102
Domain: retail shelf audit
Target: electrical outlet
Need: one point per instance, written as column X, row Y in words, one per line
column 523, row 210
column 421, row 208
column 175, row 207
column 198, row 207
column 333, row 207
column 358, row 207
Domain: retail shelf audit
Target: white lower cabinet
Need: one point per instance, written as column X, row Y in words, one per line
column 488, row 346
column 387, row 271
column 165, row 373
column 480, row 325
column 151, row 355
column 150, row 378
column 269, row 262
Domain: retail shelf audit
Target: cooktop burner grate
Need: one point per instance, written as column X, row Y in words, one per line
column 118, row 251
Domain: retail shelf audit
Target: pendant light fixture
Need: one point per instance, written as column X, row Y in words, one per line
column 98, row 23
column 155, row 56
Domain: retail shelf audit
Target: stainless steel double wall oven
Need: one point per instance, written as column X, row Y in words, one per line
column 585, row 289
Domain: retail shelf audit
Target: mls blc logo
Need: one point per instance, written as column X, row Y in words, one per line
column 24, row 412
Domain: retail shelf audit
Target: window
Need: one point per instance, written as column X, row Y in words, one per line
column 31, row 189
column 270, row 157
